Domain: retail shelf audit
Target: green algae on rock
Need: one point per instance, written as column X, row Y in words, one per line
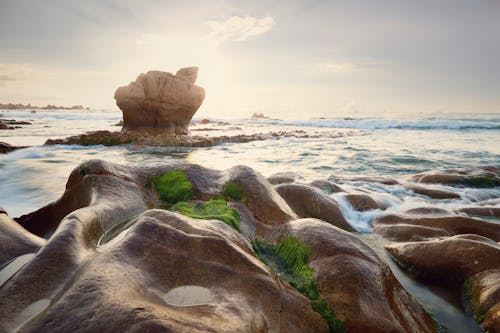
column 289, row 260
column 173, row 186
column 214, row 209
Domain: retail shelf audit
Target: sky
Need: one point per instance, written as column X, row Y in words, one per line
column 286, row 59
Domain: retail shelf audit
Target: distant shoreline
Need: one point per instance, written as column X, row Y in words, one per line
column 12, row 106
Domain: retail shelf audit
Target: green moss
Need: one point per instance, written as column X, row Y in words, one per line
column 468, row 297
column 214, row 209
column 289, row 259
column 233, row 191
column 83, row 169
column 173, row 186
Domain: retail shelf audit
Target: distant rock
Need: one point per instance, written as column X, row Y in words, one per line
column 160, row 102
column 259, row 116
column 6, row 148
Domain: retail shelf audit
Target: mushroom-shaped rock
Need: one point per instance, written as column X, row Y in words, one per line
column 160, row 102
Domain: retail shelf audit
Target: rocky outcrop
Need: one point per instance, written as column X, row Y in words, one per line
column 160, row 102
column 152, row 270
column 355, row 282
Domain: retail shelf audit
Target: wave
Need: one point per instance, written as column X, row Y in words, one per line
column 375, row 123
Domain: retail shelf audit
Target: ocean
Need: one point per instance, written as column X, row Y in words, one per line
column 346, row 150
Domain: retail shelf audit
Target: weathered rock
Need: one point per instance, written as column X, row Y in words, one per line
column 460, row 258
column 260, row 197
column 160, row 102
column 480, row 177
column 284, row 177
column 356, row 284
column 133, row 277
column 134, row 282
column 457, row 257
column 406, row 228
column 308, row 201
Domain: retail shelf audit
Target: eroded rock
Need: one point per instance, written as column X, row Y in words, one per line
column 160, row 102
column 357, row 285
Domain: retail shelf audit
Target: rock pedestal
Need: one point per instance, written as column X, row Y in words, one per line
column 160, row 102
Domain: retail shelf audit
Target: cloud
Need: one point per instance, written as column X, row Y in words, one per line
column 239, row 28
column 339, row 67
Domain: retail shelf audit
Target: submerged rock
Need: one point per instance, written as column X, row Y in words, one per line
column 160, row 102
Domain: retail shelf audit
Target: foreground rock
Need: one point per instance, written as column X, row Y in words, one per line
column 153, row 270
column 355, row 282
column 160, row 102
column 470, row 258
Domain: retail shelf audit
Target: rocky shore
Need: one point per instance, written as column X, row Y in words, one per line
column 189, row 249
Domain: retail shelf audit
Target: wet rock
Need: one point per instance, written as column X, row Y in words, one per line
column 480, row 177
column 428, row 210
column 484, row 296
column 381, row 180
column 308, row 201
column 433, row 192
column 469, row 258
column 160, row 102
column 481, row 211
column 284, row 177
column 356, row 284
column 404, row 227
column 364, row 202
column 326, row 186
column 457, row 257
column 7, row 148
column 260, row 197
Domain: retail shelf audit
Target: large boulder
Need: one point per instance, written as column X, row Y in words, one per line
column 160, row 102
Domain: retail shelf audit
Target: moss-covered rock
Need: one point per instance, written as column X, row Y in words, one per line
column 215, row 209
